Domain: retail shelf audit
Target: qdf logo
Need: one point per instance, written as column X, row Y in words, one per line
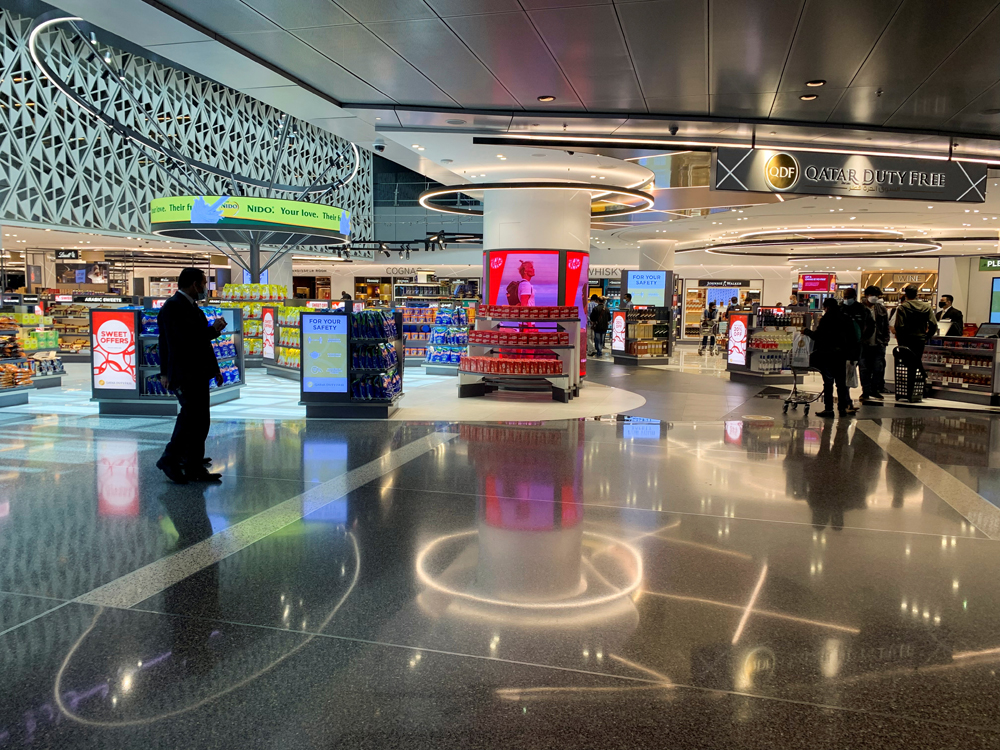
column 781, row 171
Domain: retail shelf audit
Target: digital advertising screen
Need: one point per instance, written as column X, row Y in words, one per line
column 637, row 428
column 619, row 330
column 324, row 353
column 736, row 349
column 267, row 318
column 995, row 301
column 817, row 282
column 523, row 277
column 647, row 287
column 577, row 281
column 113, row 350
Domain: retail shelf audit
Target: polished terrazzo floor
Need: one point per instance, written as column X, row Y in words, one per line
column 703, row 572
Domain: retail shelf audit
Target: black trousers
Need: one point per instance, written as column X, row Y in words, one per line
column 872, row 367
column 834, row 372
column 187, row 444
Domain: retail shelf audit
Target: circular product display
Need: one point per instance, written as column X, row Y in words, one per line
column 598, row 192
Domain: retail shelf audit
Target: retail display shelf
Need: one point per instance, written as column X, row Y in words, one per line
column 40, row 351
column 423, row 296
column 13, row 360
column 16, row 388
column 372, row 341
column 48, row 381
column 513, row 376
column 527, row 320
column 963, row 389
column 70, row 333
column 377, row 401
column 948, row 366
column 371, row 370
column 282, row 371
column 9, row 332
column 519, row 347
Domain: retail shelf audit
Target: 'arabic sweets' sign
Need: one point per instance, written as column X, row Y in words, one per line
column 757, row 170
column 247, row 212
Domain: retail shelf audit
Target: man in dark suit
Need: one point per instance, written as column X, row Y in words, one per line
column 952, row 313
column 187, row 364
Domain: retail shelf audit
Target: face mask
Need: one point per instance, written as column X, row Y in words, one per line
column 941, row 303
column 849, row 301
column 873, row 299
column 202, row 295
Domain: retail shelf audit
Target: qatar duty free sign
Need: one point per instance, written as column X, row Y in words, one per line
column 857, row 175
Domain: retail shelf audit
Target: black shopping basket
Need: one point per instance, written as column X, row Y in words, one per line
column 910, row 377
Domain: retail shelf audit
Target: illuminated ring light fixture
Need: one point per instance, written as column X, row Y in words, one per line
column 429, row 580
column 46, row 21
column 597, row 193
column 839, row 242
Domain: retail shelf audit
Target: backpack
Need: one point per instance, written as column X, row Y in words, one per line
column 513, row 298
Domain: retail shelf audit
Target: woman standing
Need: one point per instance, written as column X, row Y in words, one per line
column 834, row 338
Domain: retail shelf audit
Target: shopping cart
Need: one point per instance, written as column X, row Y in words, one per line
column 911, row 380
column 796, row 397
column 711, row 330
column 722, row 336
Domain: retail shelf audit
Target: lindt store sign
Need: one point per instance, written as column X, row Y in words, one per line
column 858, row 175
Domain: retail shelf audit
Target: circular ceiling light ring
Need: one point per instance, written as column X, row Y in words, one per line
column 800, row 232
column 426, row 197
column 752, row 249
column 52, row 19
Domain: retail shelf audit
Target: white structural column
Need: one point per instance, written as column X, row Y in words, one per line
column 656, row 255
column 536, row 218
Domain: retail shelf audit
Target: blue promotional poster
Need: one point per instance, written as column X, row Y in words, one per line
column 324, row 353
column 647, row 287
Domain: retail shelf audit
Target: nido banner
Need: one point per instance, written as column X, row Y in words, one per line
column 113, row 349
column 859, row 175
column 247, row 212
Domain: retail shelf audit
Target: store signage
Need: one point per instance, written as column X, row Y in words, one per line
column 760, row 170
column 29, row 299
column 158, row 303
column 11, row 298
column 113, row 349
column 318, row 304
column 736, row 349
column 267, row 319
column 247, row 212
column 817, row 282
column 99, row 300
column 619, row 331
column 646, row 287
column 67, row 255
column 64, row 298
column 721, row 283
column 324, row 353
column 401, row 271
column 605, row 272
column 989, row 264
column 909, row 278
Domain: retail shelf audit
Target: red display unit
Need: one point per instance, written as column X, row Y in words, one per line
column 113, row 350
column 736, row 348
column 823, row 283
column 619, row 330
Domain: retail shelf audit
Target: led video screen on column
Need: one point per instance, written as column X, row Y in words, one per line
column 647, row 287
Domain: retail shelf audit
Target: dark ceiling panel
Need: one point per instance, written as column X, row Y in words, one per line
column 364, row 54
column 538, row 4
column 833, row 39
column 741, row 105
column 981, row 116
column 967, row 73
column 921, row 35
column 472, row 7
column 750, row 43
column 371, row 11
column 677, row 105
column 282, row 49
column 788, row 106
column 867, row 105
column 667, row 39
column 436, row 52
column 511, row 48
column 589, row 46
column 301, row 13
column 223, row 17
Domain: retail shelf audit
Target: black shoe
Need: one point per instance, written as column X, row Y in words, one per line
column 877, row 396
column 174, row 472
column 826, row 414
column 850, row 410
column 203, row 476
column 847, row 414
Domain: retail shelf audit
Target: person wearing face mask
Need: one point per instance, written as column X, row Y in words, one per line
column 872, row 363
column 948, row 311
column 187, row 364
column 857, row 313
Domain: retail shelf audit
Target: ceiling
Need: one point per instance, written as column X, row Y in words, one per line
column 896, row 64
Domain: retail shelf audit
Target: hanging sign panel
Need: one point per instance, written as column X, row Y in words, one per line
column 174, row 214
column 857, row 175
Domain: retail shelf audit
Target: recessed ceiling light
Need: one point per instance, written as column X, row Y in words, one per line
column 455, row 122
column 808, row 97
column 546, row 98
column 814, row 84
column 414, row 145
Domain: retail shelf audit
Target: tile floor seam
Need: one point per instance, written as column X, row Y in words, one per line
column 965, row 501
column 32, row 619
column 607, row 675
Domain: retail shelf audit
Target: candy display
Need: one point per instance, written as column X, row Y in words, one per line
column 443, row 355
column 289, row 337
column 149, row 325
column 518, row 312
column 10, row 348
column 253, row 292
column 449, row 336
column 290, row 316
column 12, row 376
column 381, row 387
column 253, row 347
column 511, row 337
column 288, row 357
column 451, row 316
column 506, row 366
column 230, row 376
column 47, row 366
column 253, row 329
column 7, row 322
column 373, row 357
column 373, row 324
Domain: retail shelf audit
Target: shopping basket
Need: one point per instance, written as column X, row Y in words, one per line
column 911, row 381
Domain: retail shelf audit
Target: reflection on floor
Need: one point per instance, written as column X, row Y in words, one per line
column 761, row 582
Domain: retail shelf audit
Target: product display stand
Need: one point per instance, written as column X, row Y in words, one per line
column 522, row 340
column 286, row 343
column 770, row 330
column 963, row 368
column 40, row 343
column 449, row 339
column 366, row 351
column 14, row 395
column 142, row 395
column 647, row 337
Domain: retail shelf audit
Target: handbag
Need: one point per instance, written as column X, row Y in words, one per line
column 852, row 375
column 802, row 347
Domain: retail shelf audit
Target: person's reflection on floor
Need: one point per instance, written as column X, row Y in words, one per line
column 831, row 489
column 899, row 481
column 197, row 596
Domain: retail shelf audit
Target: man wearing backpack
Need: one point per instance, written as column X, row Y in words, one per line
column 914, row 323
column 522, row 292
